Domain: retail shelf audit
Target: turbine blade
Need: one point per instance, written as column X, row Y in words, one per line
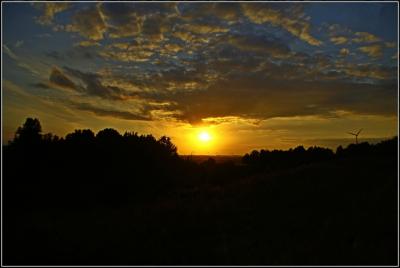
column 351, row 133
column 359, row 131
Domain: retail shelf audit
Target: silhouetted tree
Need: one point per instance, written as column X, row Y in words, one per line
column 29, row 133
column 246, row 159
column 108, row 135
column 339, row 150
column 80, row 136
column 168, row 146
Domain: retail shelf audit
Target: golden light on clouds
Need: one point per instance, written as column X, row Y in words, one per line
column 222, row 78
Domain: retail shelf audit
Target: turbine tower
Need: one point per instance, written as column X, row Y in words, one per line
column 355, row 134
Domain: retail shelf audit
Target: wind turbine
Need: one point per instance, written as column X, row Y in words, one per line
column 355, row 134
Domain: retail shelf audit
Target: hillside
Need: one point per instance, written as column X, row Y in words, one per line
column 113, row 199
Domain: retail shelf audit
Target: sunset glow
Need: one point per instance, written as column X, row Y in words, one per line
column 204, row 137
column 262, row 75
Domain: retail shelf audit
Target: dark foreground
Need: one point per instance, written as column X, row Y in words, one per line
column 74, row 209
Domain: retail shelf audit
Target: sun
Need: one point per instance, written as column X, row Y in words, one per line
column 204, row 136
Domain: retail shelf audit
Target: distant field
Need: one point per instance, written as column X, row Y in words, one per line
column 218, row 158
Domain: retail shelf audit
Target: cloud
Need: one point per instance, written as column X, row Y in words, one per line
column 49, row 11
column 344, row 51
column 126, row 115
column 260, row 97
column 122, row 20
column 9, row 53
column 220, row 61
column 226, row 11
column 340, row 35
column 19, row 43
column 19, row 62
column 154, row 27
column 230, row 59
column 374, row 51
column 135, row 19
column 336, row 29
column 229, row 12
column 87, row 43
column 293, row 20
column 230, row 120
column 180, row 79
column 94, row 87
column 58, row 78
column 29, row 102
column 42, row 85
column 364, row 37
column 259, row 44
column 88, row 23
column 390, row 44
column 204, row 28
column 371, row 71
column 129, row 54
column 339, row 40
column 172, row 48
column 230, row 81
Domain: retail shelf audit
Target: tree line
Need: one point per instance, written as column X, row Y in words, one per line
column 85, row 168
column 278, row 159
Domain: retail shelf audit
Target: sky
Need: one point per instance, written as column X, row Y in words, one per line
column 250, row 75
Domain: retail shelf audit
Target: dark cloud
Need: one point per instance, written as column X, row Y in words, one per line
column 94, row 87
column 57, row 77
column 89, row 23
column 41, row 85
column 227, row 11
column 122, row 19
column 263, row 98
column 153, row 28
column 110, row 113
column 289, row 17
column 260, row 44
column 133, row 19
column 247, row 85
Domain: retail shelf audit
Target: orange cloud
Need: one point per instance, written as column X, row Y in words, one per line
column 49, row 11
column 364, row 37
column 88, row 23
column 339, row 40
column 374, row 51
